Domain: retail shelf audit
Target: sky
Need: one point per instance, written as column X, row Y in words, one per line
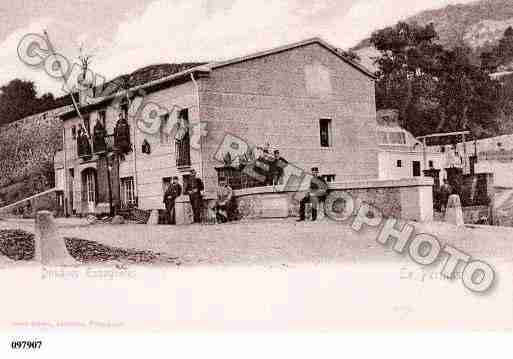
column 124, row 35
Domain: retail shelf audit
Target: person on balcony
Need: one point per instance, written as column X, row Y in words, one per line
column 99, row 138
column 173, row 191
column 194, row 190
column 224, row 203
column 122, row 134
column 318, row 189
column 83, row 145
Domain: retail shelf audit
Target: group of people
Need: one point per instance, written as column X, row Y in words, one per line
column 223, row 208
column 193, row 189
column 274, row 176
column 273, row 165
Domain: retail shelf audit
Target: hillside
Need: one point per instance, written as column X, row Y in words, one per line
column 26, row 159
column 478, row 25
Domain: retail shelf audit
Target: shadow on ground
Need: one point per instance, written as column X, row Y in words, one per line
column 19, row 245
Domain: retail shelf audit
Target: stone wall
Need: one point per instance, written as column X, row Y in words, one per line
column 409, row 199
column 50, row 200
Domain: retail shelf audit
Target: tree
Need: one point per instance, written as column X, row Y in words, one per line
column 500, row 54
column 468, row 97
column 408, row 60
column 434, row 89
column 19, row 99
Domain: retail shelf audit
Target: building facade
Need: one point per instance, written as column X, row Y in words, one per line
column 401, row 155
column 305, row 99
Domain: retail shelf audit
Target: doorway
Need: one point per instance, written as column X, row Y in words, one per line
column 89, row 189
column 416, row 168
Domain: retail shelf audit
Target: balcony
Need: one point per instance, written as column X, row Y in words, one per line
column 104, row 144
column 84, row 148
column 100, row 145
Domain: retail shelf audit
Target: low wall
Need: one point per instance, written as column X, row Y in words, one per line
column 48, row 200
column 408, row 199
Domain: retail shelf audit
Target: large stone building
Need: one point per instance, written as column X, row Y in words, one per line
column 305, row 99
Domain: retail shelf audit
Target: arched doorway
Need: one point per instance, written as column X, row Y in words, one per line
column 89, row 189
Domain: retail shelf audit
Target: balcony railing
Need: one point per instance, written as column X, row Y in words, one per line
column 83, row 147
column 104, row 144
column 99, row 146
column 109, row 142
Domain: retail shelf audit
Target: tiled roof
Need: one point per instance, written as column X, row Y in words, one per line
column 136, row 78
column 147, row 74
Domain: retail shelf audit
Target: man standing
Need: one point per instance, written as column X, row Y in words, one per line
column 194, row 189
column 277, row 167
column 445, row 192
column 318, row 189
column 173, row 191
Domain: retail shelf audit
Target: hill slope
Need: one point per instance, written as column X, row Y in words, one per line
column 479, row 25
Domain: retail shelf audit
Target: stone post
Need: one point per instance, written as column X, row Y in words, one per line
column 454, row 212
column 50, row 248
column 183, row 210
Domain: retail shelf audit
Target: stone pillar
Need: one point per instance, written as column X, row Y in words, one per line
column 454, row 212
column 417, row 202
column 183, row 210
column 154, row 217
column 50, row 248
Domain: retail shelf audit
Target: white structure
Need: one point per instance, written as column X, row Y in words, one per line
column 401, row 155
column 494, row 155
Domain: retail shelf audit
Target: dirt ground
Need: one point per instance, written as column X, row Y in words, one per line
column 276, row 242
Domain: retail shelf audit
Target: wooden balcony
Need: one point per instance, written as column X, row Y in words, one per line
column 99, row 146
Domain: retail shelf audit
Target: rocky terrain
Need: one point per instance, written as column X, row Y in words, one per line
column 478, row 25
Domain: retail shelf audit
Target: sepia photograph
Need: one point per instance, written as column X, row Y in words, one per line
column 237, row 167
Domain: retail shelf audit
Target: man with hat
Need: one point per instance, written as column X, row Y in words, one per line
column 318, row 189
column 194, row 189
column 173, row 191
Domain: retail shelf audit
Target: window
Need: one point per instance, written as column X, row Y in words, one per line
column 399, row 163
column 90, row 183
column 182, row 143
column 165, row 131
column 416, row 168
column 325, row 132
column 430, row 164
column 102, row 117
column 328, row 178
column 74, row 132
column 382, row 137
column 127, row 192
column 397, row 138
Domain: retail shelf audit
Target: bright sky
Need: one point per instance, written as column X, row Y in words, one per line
column 125, row 35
